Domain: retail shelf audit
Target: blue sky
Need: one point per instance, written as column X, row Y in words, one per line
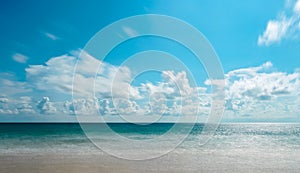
column 261, row 37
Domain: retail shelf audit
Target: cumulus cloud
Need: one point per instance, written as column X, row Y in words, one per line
column 164, row 97
column 250, row 92
column 58, row 75
column 85, row 106
column 174, row 84
column 286, row 25
column 5, row 107
column 259, row 84
column 105, row 107
column 258, row 90
column 24, row 105
column 21, row 105
column 55, row 75
column 174, row 95
column 45, row 106
column 125, row 106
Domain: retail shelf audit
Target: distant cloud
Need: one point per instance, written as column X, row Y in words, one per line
column 249, row 92
column 51, row 36
column 286, row 25
column 20, row 58
column 25, row 105
column 257, row 90
column 45, row 106
column 22, row 105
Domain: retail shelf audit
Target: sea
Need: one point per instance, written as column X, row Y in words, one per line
column 265, row 146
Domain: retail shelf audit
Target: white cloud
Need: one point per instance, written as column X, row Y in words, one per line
column 275, row 31
column 4, row 106
column 57, row 75
column 51, row 36
column 21, row 105
column 173, row 85
column 20, row 58
column 259, row 84
column 284, row 26
column 297, row 7
column 174, row 95
column 45, row 106
column 126, row 107
column 259, row 91
column 250, row 92
column 12, row 87
column 24, row 105
column 85, row 106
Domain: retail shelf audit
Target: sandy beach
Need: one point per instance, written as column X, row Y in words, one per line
column 174, row 162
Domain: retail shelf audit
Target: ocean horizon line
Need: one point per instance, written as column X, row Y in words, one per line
column 146, row 123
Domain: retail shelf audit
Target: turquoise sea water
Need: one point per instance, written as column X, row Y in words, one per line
column 44, row 137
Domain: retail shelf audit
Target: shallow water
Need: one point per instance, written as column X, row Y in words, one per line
column 45, row 137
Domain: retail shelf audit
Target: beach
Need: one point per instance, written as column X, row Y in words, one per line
column 61, row 163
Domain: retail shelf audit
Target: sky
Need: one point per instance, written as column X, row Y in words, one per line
column 41, row 42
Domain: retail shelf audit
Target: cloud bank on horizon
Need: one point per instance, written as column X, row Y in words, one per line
column 253, row 92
